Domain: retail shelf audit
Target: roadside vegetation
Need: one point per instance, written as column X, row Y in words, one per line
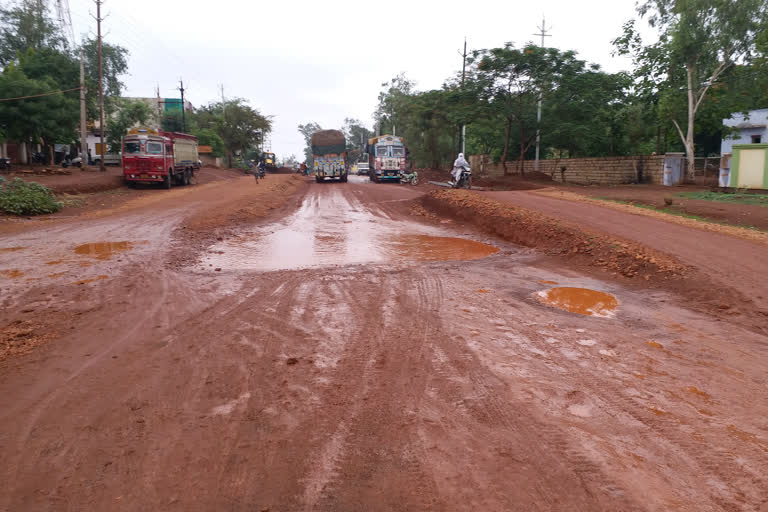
column 19, row 197
column 736, row 198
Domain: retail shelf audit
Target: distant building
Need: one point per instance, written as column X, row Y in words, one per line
column 752, row 129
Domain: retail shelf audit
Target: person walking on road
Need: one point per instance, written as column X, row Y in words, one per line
column 458, row 165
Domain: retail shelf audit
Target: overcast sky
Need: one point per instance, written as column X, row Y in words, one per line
column 324, row 61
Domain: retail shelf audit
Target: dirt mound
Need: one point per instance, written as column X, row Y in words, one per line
column 554, row 237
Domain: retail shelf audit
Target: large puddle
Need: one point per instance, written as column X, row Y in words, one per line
column 102, row 250
column 580, row 300
column 330, row 230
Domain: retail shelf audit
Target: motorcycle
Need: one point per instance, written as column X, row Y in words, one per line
column 74, row 162
column 39, row 157
column 465, row 179
column 5, row 163
column 410, row 178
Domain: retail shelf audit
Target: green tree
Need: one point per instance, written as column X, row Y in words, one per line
column 208, row 137
column 172, row 122
column 306, row 130
column 129, row 113
column 114, row 66
column 239, row 125
column 27, row 25
column 700, row 41
column 356, row 135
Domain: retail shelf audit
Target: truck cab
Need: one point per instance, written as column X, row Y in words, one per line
column 387, row 158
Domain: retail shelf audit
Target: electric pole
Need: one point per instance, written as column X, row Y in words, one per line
column 101, row 86
column 463, row 132
column 543, row 34
column 183, row 115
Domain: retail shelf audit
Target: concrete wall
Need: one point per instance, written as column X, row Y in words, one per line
column 757, row 124
column 210, row 161
column 583, row 171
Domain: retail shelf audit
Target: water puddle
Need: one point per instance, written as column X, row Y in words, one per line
column 13, row 273
column 331, row 229
column 437, row 248
column 11, row 249
column 103, row 250
column 544, row 281
column 582, row 301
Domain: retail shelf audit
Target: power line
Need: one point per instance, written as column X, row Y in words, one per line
column 39, row 95
column 543, row 34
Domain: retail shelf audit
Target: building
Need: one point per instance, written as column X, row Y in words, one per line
column 750, row 129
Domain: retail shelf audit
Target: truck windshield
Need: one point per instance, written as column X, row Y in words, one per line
column 381, row 150
column 154, row 148
column 398, row 151
column 132, row 147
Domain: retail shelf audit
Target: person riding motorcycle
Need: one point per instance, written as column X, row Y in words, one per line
column 458, row 165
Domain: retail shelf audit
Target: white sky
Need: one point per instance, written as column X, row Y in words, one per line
column 324, row 61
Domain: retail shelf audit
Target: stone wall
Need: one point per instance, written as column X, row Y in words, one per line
column 583, row 171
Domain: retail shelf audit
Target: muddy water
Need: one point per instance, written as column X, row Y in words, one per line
column 580, row 300
column 330, row 229
column 102, row 250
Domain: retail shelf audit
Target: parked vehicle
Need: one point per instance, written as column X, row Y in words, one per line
column 109, row 159
column 74, row 162
column 465, row 180
column 386, row 157
column 363, row 168
column 329, row 151
column 5, row 163
column 39, row 157
column 410, row 178
column 154, row 156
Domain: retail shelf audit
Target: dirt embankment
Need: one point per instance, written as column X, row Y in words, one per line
column 593, row 249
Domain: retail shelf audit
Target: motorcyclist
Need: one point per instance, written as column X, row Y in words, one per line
column 303, row 168
column 458, row 165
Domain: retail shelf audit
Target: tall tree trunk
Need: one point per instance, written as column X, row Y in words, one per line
column 522, row 148
column 507, row 135
column 691, row 115
column 658, row 140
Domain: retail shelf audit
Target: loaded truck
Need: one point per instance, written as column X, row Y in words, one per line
column 329, row 152
column 386, row 158
column 156, row 156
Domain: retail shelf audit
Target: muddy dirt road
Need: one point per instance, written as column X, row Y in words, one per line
column 342, row 355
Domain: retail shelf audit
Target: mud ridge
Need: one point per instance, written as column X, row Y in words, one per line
column 582, row 247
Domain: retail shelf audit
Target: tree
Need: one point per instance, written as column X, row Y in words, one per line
column 356, row 136
column 208, row 137
column 240, row 126
column 172, row 122
column 306, row 130
column 27, row 25
column 129, row 114
column 700, row 41
column 114, row 65
column 387, row 115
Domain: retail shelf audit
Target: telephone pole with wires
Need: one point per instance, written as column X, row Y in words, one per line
column 101, row 85
column 463, row 131
column 183, row 115
column 543, row 34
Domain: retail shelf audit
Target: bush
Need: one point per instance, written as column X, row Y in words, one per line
column 25, row 198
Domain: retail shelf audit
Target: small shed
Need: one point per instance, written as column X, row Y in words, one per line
column 749, row 166
column 749, row 129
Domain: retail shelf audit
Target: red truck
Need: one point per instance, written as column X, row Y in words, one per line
column 155, row 156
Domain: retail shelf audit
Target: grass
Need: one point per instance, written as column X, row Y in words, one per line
column 736, row 198
column 673, row 211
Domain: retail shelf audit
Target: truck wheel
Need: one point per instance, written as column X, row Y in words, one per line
column 168, row 182
column 318, row 179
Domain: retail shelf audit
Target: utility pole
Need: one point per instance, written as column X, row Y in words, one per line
column 463, row 131
column 183, row 115
column 101, row 86
column 83, row 130
column 543, row 34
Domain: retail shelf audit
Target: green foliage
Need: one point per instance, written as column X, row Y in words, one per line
column 25, row 26
column 48, row 118
column 356, row 135
column 239, row 125
column 306, row 130
column 114, row 65
column 172, row 122
column 19, row 197
column 130, row 113
column 752, row 199
column 208, row 137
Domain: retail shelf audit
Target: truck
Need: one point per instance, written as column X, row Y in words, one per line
column 329, row 152
column 387, row 158
column 156, row 156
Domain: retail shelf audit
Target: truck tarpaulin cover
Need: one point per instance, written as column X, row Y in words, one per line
column 328, row 142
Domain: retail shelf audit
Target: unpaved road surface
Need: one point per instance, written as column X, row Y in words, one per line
column 345, row 357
